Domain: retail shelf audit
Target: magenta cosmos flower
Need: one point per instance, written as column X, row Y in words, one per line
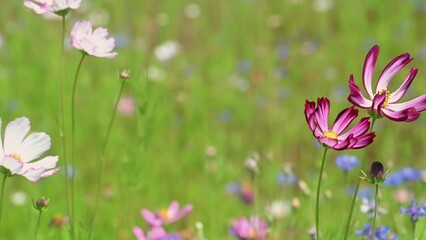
column 59, row 7
column 250, row 229
column 95, row 43
column 18, row 151
column 382, row 102
column 356, row 137
column 165, row 216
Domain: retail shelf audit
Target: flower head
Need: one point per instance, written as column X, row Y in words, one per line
column 382, row 102
column 165, row 216
column 317, row 118
column 250, row 229
column 347, row 162
column 91, row 42
column 416, row 211
column 381, row 233
column 18, row 151
column 156, row 233
column 59, row 7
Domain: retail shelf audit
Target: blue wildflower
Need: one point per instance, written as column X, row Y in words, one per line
column 416, row 211
column 289, row 179
column 362, row 192
column 410, row 174
column 393, row 179
column 381, row 233
column 347, row 162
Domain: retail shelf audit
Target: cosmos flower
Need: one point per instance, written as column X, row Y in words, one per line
column 317, row 118
column 18, row 151
column 165, row 216
column 59, row 7
column 250, row 229
column 347, row 162
column 382, row 102
column 416, row 211
column 381, row 233
column 91, row 42
column 156, row 233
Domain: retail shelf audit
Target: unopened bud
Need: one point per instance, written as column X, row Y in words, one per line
column 125, row 74
column 41, row 204
column 377, row 170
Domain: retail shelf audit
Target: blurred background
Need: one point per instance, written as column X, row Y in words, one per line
column 212, row 83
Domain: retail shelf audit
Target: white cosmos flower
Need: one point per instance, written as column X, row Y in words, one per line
column 92, row 42
column 59, row 7
column 18, row 151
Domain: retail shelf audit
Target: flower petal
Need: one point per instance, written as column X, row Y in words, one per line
column 12, row 164
column 405, row 115
column 150, row 218
column 46, row 163
column 359, row 129
column 49, row 172
column 363, row 141
column 33, row 146
column 321, row 113
column 400, row 92
column 33, row 175
column 356, row 97
column 15, row 133
column 309, row 110
column 1, row 143
column 343, row 120
column 378, row 101
column 418, row 103
column 139, row 233
column 187, row 209
column 368, row 69
column 391, row 69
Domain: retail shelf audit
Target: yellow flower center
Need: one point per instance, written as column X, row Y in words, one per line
column 330, row 134
column 252, row 234
column 16, row 156
column 386, row 102
column 164, row 215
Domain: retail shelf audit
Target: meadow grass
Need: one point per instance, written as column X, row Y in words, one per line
column 239, row 83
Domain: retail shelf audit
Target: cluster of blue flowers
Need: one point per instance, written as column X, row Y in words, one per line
column 406, row 174
column 381, row 233
column 415, row 210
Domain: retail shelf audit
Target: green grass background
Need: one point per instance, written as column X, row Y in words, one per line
column 159, row 154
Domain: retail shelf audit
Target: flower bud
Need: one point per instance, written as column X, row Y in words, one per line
column 125, row 75
column 41, row 204
column 377, row 171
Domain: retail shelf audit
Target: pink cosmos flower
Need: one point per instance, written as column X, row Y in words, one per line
column 91, row 42
column 250, row 229
column 333, row 137
column 165, row 216
column 59, row 7
column 18, row 151
column 382, row 102
column 156, row 233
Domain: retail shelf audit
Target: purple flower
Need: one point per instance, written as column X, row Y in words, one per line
column 250, row 229
column 416, row 211
column 381, row 102
column 393, row 179
column 91, row 42
column 317, row 118
column 410, row 174
column 165, row 216
column 381, row 233
column 347, row 162
column 243, row 190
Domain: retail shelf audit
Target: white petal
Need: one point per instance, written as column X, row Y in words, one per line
column 1, row 144
column 33, row 174
column 15, row 133
column 12, row 164
column 50, row 172
column 46, row 163
column 33, row 146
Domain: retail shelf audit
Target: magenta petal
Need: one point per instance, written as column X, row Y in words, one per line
column 309, row 110
column 406, row 115
column 355, row 96
column 343, row 120
column 327, row 141
column 139, row 233
column 400, row 92
column 364, row 141
column 368, row 69
column 419, row 103
column 321, row 113
column 187, row 209
column 378, row 102
column 173, row 210
column 359, row 129
column 391, row 69
column 342, row 145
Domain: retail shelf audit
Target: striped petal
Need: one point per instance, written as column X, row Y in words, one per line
column 368, row 69
column 322, row 112
column 406, row 115
column 343, row 120
column 391, row 69
column 418, row 103
column 356, row 97
column 359, row 129
column 400, row 92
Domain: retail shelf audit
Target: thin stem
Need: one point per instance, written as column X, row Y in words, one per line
column 373, row 121
column 255, row 201
column 318, row 195
column 73, row 145
column 348, row 222
column 2, row 196
column 102, row 158
column 376, row 206
column 63, row 134
column 38, row 224
column 414, row 229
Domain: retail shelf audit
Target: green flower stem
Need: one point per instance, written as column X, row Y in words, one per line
column 63, row 134
column 2, row 196
column 351, row 210
column 255, row 201
column 318, row 195
column 414, row 229
column 376, row 206
column 373, row 121
column 102, row 158
column 73, row 230
column 38, row 224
